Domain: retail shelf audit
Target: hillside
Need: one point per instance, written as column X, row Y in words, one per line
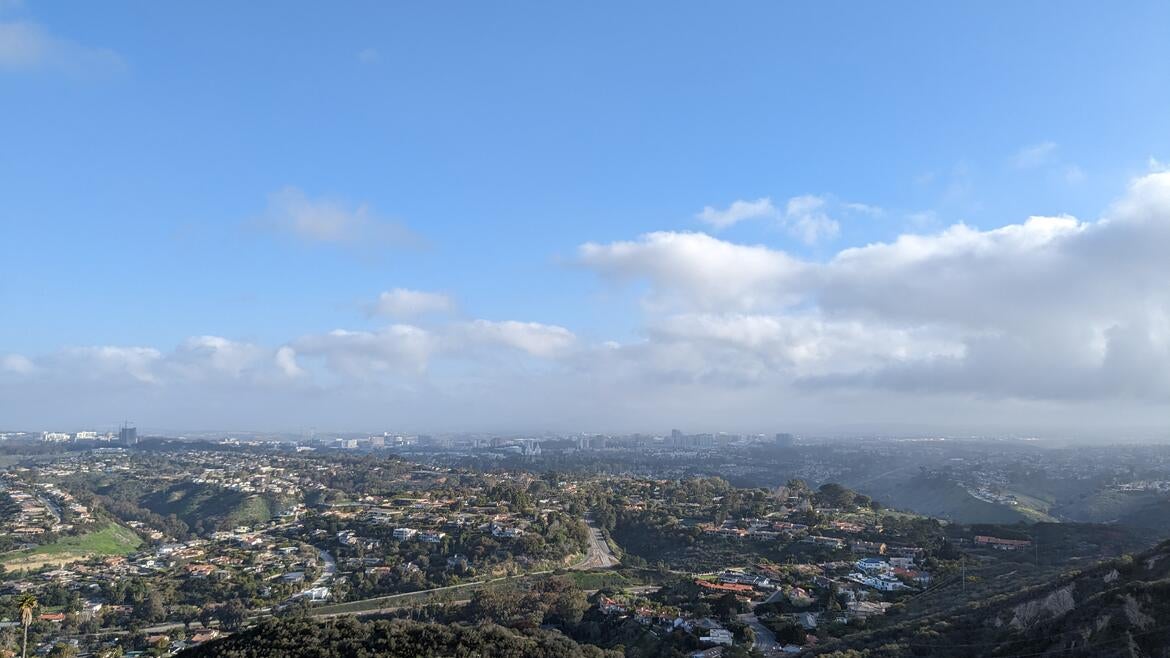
column 1119, row 608
column 1133, row 508
column 110, row 540
column 205, row 507
column 940, row 497
column 305, row 638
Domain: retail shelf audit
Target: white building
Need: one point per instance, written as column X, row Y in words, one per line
column 719, row 636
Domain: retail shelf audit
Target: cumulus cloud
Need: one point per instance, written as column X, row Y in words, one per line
column 697, row 270
column 1052, row 320
column 397, row 349
column 1050, row 308
column 541, row 340
column 737, row 212
column 807, row 217
column 16, row 363
column 137, row 362
column 328, row 221
column 286, row 360
column 26, row 46
column 402, row 302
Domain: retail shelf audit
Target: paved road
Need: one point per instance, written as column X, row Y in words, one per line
column 599, row 555
column 327, row 571
column 765, row 638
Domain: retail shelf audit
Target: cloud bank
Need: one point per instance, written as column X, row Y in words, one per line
column 1046, row 322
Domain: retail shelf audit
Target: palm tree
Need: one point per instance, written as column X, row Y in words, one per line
column 27, row 604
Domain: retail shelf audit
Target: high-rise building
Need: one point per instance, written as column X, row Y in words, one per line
column 785, row 440
column 128, row 435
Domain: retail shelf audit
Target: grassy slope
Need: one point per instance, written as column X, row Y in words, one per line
column 194, row 502
column 945, row 499
column 111, row 540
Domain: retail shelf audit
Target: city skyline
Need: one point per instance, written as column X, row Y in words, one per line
column 528, row 219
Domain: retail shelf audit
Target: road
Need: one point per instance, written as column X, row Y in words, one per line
column 599, row 555
column 765, row 638
column 328, row 571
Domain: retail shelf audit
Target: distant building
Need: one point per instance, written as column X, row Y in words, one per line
column 872, row 565
column 54, row 436
column 128, row 436
column 861, row 546
column 403, row 534
column 719, row 636
column 785, row 440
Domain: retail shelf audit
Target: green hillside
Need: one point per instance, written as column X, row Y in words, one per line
column 944, row 498
column 303, row 638
column 110, row 540
column 204, row 507
column 1117, row 608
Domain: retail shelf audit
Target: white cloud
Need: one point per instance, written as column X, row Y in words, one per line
column 16, row 363
column 399, row 348
column 737, row 212
column 807, row 218
column 1050, row 321
column 202, row 355
column 1035, row 155
column 286, row 360
column 328, row 221
column 108, row 361
column 1051, row 308
column 26, row 46
column 540, row 340
column 695, row 270
column 402, row 302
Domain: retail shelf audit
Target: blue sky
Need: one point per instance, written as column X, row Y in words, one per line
column 148, row 153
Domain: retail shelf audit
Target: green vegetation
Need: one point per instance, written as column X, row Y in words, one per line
column 941, row 497
column 591, row 580
column 199, row 505
column 300, row 638
column 1114, row 609
column 111, row 540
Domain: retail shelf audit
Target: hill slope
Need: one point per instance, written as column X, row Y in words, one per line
column 1119, row 608
column 346, row 637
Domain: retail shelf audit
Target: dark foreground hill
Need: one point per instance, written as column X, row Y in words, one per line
column 1119, row 608
column 349, row 638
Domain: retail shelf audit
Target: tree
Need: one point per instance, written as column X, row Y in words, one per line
column 188, row 614
column 62, row 650
column 151, row 608
column 28, row 605
column 726, row 606
column 232, row 615
column 832, row 494
column 207, row 614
